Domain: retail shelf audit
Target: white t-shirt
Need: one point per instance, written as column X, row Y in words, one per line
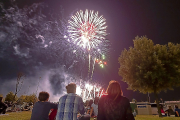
column 95, row 109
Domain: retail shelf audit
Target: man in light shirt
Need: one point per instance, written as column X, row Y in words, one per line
column 70, row 105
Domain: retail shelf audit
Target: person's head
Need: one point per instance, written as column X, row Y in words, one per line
column 114, row 89
column 176, row 106
column 71, row 88
column 43, row 96
column 90, row 102
column 1, row 98
column 96, row 100
column 170, row 107
column 87, row 103
column 161, row 106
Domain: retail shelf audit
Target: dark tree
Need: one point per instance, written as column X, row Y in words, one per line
column 150, row 68
column 20, row 80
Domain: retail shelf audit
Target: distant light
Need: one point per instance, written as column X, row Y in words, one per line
column 103, row 57
column 102, row 65
column 78, row 90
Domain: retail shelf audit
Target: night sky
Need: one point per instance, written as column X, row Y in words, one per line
column 158, row 20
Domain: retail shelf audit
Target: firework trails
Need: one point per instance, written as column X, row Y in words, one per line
column 87, row 31
column 89, row 91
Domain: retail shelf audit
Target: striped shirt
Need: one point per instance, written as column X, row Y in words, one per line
column 69, row 106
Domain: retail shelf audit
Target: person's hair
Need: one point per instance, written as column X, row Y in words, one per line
column 90, row 102
column 1, row 98
column 71, row 88
column 114, row 89
column 96, row 100
column 43, row 96
column 87, row 102
column 170, row 107
column 161, row 106
column 176, row 106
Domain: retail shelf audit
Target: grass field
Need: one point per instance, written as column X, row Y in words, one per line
column 27, row 115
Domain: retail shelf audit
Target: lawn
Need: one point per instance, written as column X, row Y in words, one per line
column 27, row 115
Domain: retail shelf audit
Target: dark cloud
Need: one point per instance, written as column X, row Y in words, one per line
column 56, row 80
column 31, row 42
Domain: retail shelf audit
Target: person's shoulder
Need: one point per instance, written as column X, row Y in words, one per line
column 74, row 95
column 103, row 97
column 77, row 96
column 38, row 102
column 63, row 96
column 47, row 102
column 176, row 109
column 92, row 104
column 124, row 98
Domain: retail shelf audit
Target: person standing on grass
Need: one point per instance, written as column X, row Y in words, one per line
column 70, row 105
column 114, row 106
column 3, row 106
column 42, row 108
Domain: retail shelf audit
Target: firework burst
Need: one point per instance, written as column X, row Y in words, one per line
column 87, row 29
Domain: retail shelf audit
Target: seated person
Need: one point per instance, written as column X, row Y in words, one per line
column 170, row 111
column 89, row 106
column 177, row 111
column 94, row 107
column 70, row 105
column 113, row 105
column 26, row 108
column 162, row 111
column 42, row 107
column 52, row 115
column 3, row 106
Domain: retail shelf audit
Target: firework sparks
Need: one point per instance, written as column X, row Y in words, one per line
column 89, row 91
column 87, row 29
column 101, row 63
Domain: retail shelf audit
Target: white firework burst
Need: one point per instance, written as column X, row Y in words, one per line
column 87, row 29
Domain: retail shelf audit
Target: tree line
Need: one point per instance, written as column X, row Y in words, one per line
column 32, row 98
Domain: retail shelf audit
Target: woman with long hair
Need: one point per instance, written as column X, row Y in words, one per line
column 114, row 106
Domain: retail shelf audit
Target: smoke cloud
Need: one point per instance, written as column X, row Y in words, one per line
column 32, row 42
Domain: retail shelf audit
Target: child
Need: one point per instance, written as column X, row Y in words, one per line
column 42, row 107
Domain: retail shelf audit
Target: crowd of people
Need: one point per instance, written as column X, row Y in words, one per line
column 14, row 106
column 111, row 106
column 170, row 111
